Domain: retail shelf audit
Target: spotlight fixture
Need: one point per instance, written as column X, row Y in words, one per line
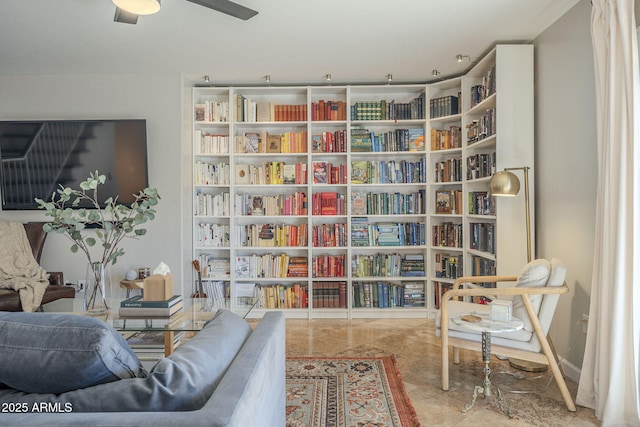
column 389, row 78
column 206, row 79
column 267, row 78
column 139, row 7
column 327, row 77
column 459, row 58
column 435, row 73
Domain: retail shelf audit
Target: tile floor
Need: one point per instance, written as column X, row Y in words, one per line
column 417, row 352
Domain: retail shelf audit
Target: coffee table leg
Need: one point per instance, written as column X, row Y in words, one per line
column 485, row 388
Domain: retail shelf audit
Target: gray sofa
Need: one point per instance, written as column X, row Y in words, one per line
column 227, row 375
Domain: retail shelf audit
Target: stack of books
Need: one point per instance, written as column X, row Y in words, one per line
column 137, row 307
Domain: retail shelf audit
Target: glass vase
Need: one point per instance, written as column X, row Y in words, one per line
column 98, row 285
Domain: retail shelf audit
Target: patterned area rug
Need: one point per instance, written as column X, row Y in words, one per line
column 347, row 392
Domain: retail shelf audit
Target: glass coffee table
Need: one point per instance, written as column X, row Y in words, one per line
column 190, row 319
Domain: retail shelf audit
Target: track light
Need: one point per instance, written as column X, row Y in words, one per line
column 139, row 7
column 267, row 78
column 206, row 79
column 327, row 77
column 435, row 73
column 459, row 58
column 389, row 78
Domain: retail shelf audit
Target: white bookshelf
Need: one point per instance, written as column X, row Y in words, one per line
column 512, row 143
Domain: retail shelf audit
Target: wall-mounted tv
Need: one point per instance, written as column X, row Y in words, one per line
column 36, row 157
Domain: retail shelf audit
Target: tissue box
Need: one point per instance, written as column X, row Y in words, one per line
column 158, row 287
column 501, row 310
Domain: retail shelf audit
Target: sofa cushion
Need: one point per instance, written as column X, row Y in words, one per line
column 183, row 381
column 55, row 353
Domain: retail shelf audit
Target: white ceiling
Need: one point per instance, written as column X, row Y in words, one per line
column 293, row 41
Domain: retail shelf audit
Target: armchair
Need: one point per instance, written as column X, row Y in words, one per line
column 10, row 299
column 535, row 297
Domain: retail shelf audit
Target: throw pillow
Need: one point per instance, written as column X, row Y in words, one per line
column 56, row 353
column 534, row 275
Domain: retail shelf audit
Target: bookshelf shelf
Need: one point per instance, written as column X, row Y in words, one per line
column 383, row 144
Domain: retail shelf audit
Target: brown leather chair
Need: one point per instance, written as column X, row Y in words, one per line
column 10, row 299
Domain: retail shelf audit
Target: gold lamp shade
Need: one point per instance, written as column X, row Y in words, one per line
column 504, row 183
column 139, row 7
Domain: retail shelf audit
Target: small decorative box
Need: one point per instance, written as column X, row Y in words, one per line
column 501, row 310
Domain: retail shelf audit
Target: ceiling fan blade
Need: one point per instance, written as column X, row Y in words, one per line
column 125, row 17
column 228, row 7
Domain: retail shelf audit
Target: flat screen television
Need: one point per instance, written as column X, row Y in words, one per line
column 38, row 156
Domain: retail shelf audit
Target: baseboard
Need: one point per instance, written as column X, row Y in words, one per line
column 570, row 370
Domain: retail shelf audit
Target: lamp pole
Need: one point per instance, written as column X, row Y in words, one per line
column 527, row 207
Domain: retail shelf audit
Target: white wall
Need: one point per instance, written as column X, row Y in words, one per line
column 566, row 162
column 154, row 97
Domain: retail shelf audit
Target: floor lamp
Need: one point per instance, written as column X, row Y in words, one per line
column 506, row 183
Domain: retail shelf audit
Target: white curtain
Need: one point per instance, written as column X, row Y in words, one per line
column 611, row 366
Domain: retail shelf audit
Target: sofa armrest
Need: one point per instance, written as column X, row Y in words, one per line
column 56, row 277
column 253, row 391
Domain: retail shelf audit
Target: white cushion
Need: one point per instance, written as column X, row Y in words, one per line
column 534, row 275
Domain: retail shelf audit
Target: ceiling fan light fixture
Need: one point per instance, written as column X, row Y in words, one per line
column 139, row 7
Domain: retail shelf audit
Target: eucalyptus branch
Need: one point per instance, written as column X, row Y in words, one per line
column 115, row 221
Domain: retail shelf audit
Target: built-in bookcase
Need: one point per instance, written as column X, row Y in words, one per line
column 357, row 201
column 495, row 124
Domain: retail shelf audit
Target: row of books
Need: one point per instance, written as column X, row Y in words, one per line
column 449, row 170
column 387, row 265
column 329, row 142
column 271, row 173
column 248, row 110
column 448, row 202
column 137, row 307
column 365, row 233
column 481, row 165
column 439, row 288
column 208, row 143
column 412, row 265
column 328, row 110
column 446, row 234
column 212, row 235
column 270, row 266
column 484, row 90
column 211, row 204
column 217, row 293
column 481, row 203
column 446, row 139
column 271, row 235
column 328, row 203
column 398, row 140
column 368, row 203
column 264, row 142
column 482, row 237
column 280, row 204
column 150, row 345
column 389, row 172
column 387, row 294
column 329, row 294
column 327, row 265
column 211, row 174
column 211, row 266
column 444, row 106
column 389, row 110
column 483, row 127
column 327, row 173
column 282, row 296
column 448, row 266
column 212, row 111
column 329, row 235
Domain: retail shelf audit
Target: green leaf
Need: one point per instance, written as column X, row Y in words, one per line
column 90, row 241
column 74, row 248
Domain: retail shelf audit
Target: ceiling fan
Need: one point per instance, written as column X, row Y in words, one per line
column 127, row 11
